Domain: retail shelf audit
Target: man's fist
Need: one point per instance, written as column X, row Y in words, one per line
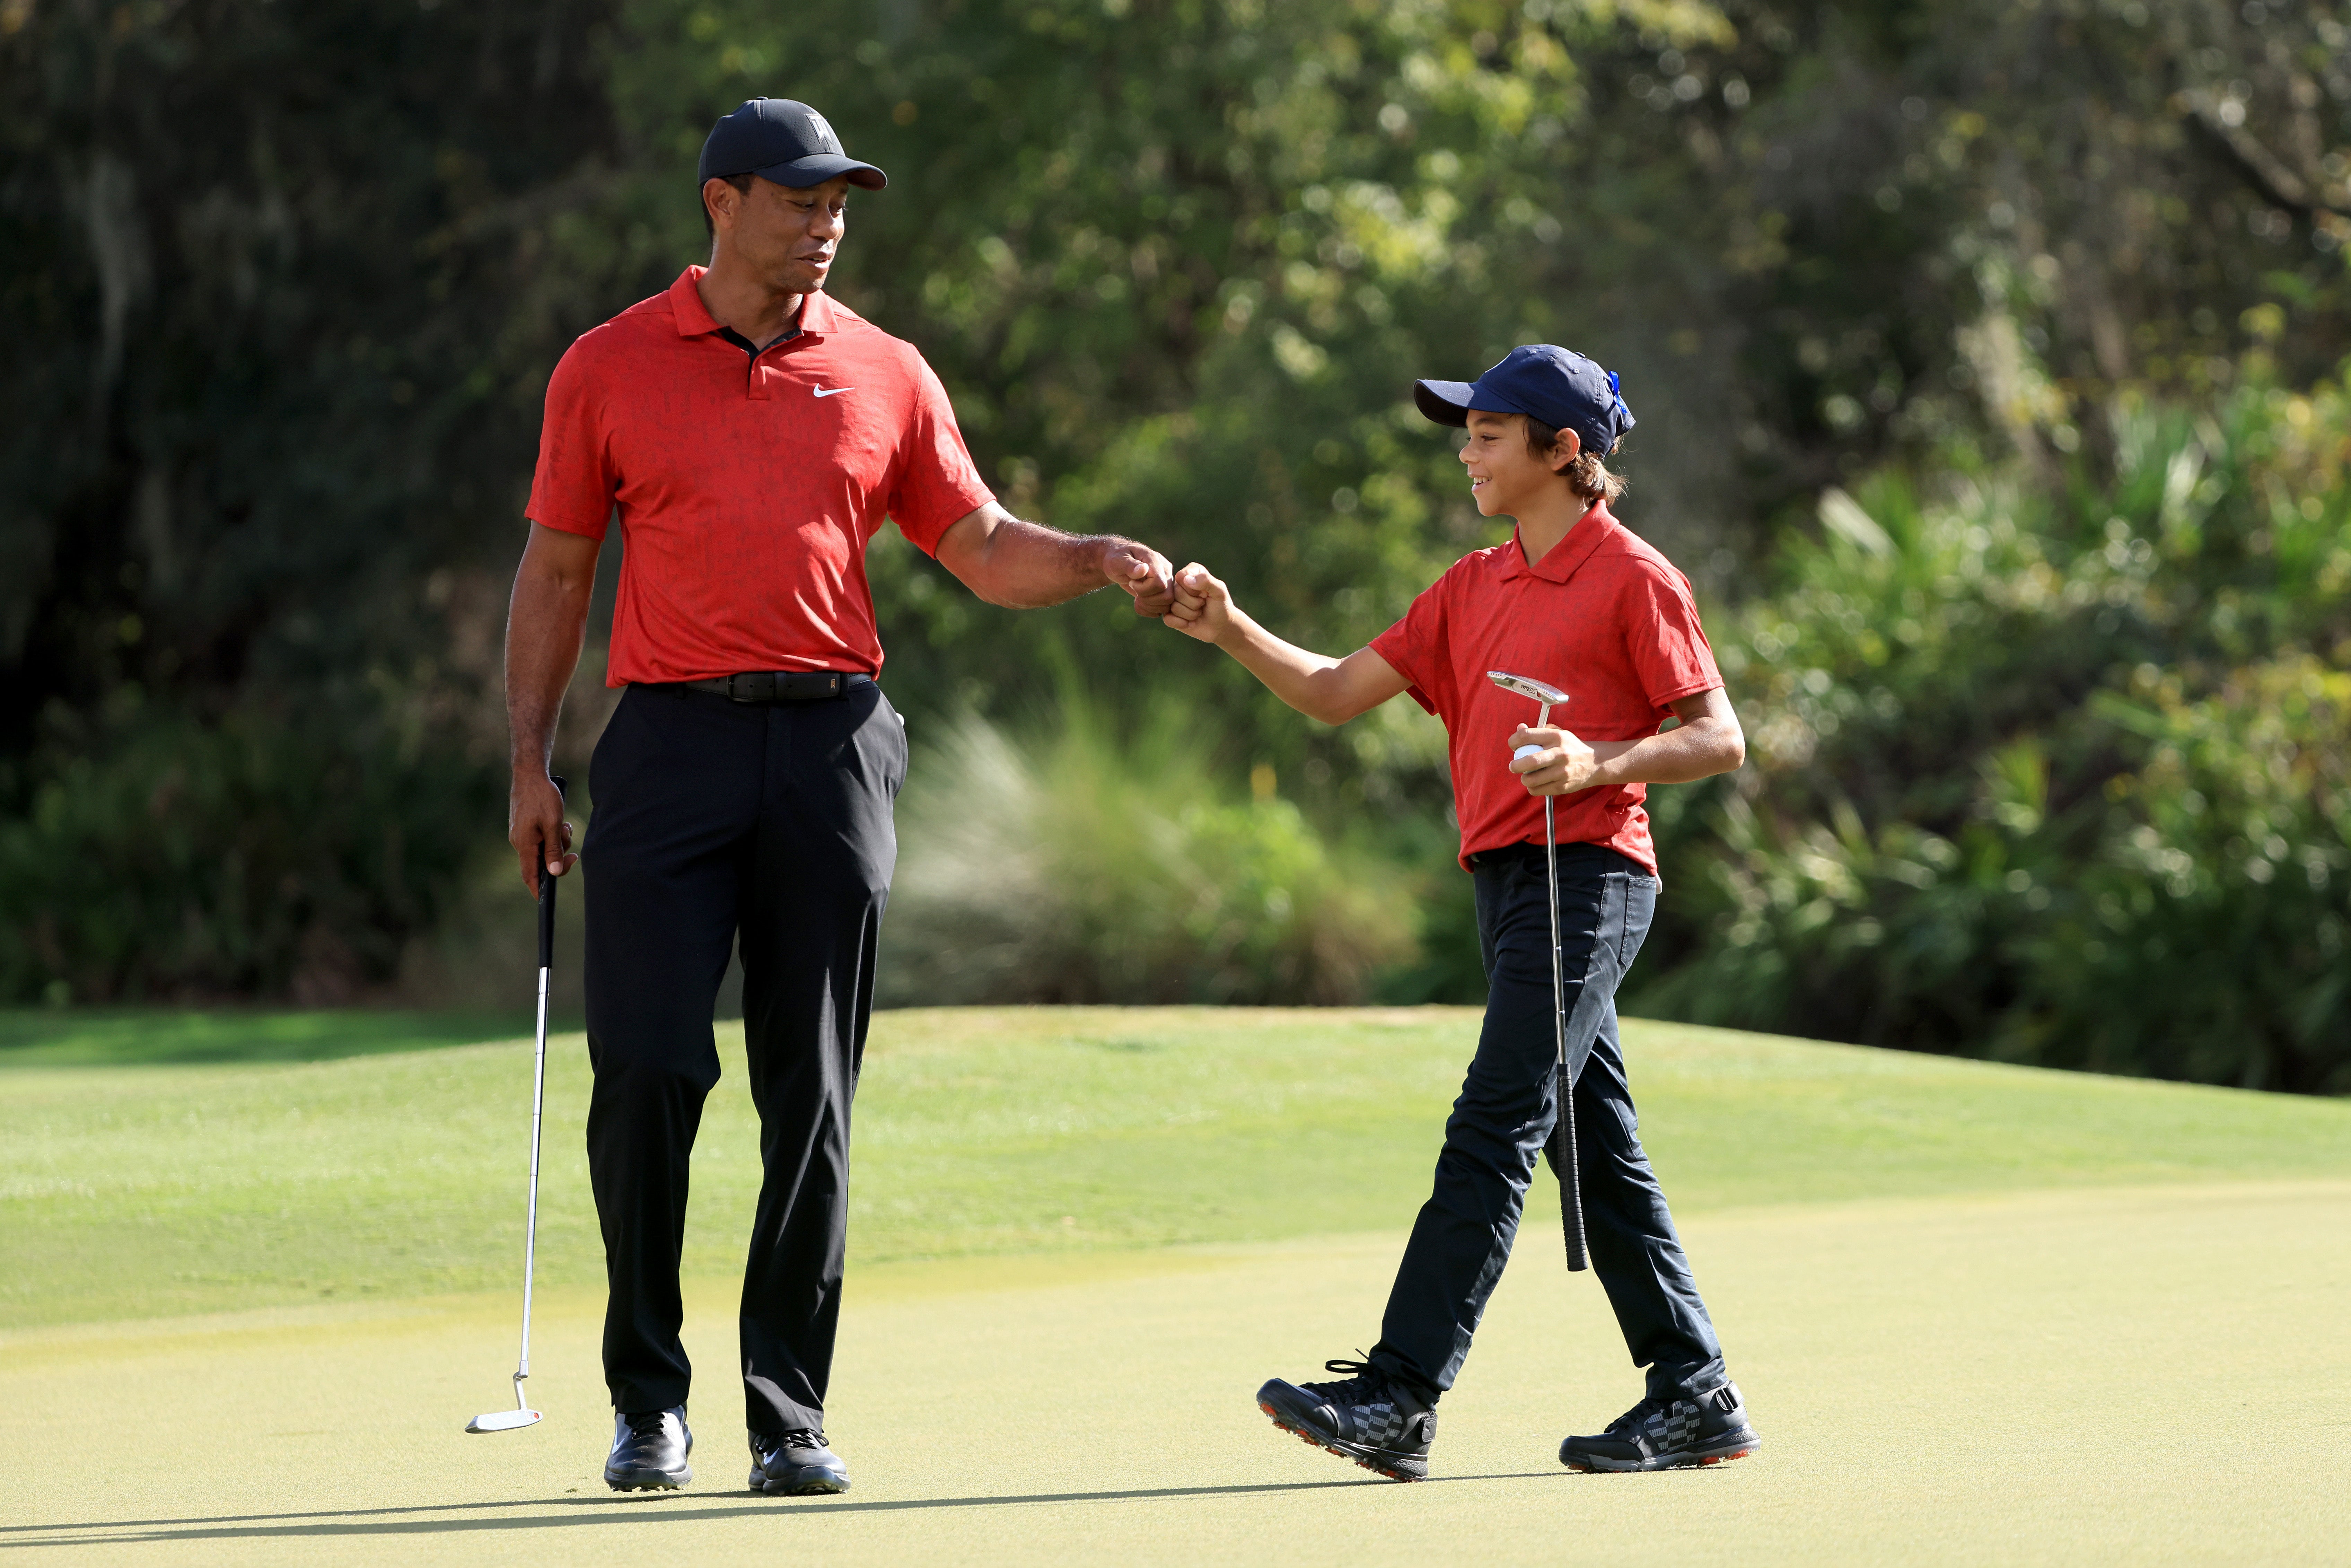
column 1203, row 607
column 1142, row 572
column 1559, row 764
column 536, row 828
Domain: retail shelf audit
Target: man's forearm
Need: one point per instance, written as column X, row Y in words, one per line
column 547, row 622
column 1028, row 566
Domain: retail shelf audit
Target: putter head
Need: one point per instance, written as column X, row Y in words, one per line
column 503, row 1420
column 1548, row 696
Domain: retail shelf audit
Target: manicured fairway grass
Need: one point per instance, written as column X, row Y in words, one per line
column 1983, row 1313
column 2091, row 1377
column 130, row 1037
column 138, row 1192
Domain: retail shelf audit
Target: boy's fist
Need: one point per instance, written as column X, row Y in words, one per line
column 1203, row 606
column 1555, row 761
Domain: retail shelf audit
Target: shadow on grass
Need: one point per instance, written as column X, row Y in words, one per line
column 676, row 1507
column 144, row 1037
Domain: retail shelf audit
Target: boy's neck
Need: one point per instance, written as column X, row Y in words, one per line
column 1541, row 527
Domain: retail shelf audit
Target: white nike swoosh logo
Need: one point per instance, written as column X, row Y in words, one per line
column 832, row 392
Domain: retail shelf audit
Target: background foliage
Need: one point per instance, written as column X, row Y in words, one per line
column 2053, row 290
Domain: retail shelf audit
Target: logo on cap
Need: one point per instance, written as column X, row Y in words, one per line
column 823, row 129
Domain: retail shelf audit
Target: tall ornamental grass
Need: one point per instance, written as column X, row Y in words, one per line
column 1071, row 864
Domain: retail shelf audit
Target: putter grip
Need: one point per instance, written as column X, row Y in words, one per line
column 547, row 903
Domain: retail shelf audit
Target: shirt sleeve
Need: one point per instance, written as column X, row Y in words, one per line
column 937, row 481
column 575, row 481
column 1667, row 645
column 1415, row 646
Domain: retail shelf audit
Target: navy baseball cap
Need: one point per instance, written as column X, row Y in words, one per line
column 782, row 140
column 1546, row 383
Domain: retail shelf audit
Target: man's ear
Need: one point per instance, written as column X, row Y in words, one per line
column 1566, row 449
column 720, row 199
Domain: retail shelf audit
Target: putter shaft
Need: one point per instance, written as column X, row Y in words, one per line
column 524, row 1415
column 1570, row 1177
column 530, row 1224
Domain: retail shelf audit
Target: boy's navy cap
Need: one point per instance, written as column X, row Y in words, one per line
column 1546, row 383
column 782, row 140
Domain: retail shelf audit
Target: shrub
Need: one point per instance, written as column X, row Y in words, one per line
column 155, row 856
column 2053, row 773
column 1077, row 867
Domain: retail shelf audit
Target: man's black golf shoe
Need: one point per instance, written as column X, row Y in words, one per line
column 797, row 1463
column 649, row 1451
column 1365, row 1416
column 1686, row 1431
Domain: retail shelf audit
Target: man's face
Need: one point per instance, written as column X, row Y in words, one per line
column 1504, row 477
column 785, row 236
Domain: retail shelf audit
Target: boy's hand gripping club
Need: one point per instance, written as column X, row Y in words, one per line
column 1570, row 1190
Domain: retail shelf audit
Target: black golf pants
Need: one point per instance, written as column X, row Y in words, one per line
column 713, row 817
column 1505, row 1114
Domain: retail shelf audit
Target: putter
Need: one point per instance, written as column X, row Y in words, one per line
column 1571, row 1187
column 522, row 1414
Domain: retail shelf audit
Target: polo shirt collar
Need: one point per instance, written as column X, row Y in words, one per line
column 695, row 320
column 1573, row 550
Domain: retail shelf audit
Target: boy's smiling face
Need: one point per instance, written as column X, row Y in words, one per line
column 1504, row 477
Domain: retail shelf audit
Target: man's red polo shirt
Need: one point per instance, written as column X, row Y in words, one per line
column 1603, row 617
column 746, row 487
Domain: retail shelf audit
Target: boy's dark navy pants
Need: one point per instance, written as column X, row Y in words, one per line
column 713, row 817
column 1504, row 1119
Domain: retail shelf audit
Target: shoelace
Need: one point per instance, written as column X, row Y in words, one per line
column 797, row 1437
column 645, row 1423
column 1631, row 1420
column 1361, row 1380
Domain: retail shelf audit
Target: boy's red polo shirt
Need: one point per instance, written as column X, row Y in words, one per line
column 1603, row 617
column 747, row 487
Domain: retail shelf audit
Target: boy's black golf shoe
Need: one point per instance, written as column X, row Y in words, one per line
column 1365, row 1415
column 1685, row 1430
column 649, row 1451
column 797, row 1463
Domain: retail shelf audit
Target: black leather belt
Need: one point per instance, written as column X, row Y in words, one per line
column 782, row 685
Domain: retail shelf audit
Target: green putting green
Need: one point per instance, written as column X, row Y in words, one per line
column 1981, row 1312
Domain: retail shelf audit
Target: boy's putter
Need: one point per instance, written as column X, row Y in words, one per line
column 522, row 1414
column 1571, row 1193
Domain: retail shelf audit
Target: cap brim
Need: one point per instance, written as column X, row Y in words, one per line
column 802, row 172
column 1447, row 403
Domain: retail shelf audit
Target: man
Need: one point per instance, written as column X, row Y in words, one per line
column 1577, row 601
column 750, row 434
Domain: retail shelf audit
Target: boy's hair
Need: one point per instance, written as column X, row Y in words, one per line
column 742, row 183
column 1588, row 476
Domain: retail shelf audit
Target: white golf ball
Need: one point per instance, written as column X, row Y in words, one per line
column 1526, row 751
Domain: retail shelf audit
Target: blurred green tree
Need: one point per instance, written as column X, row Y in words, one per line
column 282, row 285
column 2064, row 778
column 270, row 277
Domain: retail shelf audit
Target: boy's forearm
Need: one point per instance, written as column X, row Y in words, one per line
column 1679, row 756
column 1301, row 678
column 1310, row 683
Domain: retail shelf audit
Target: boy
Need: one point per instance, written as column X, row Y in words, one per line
column 1576, row 601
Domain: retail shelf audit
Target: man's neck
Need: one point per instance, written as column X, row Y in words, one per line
column 1541, row 527
column 736, row 297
